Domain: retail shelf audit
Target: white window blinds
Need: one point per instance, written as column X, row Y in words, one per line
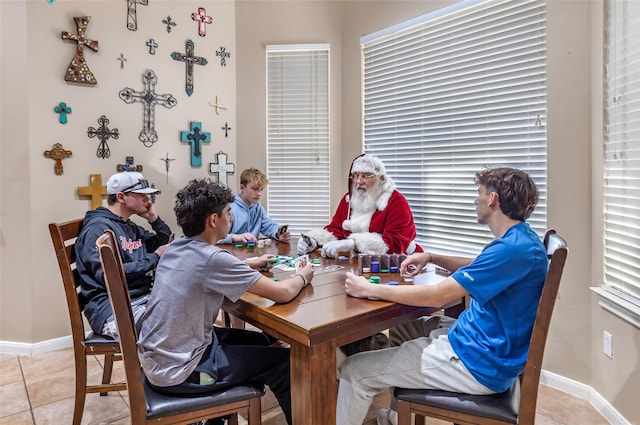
column 298, row 135
column 449, row 94
column 622, row 147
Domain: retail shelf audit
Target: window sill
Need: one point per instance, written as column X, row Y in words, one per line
column 616, row 303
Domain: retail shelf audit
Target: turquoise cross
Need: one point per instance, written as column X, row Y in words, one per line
column 196, row 137
column 63, row 110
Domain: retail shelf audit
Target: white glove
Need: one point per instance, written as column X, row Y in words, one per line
column 331, row 249
column 306, row 245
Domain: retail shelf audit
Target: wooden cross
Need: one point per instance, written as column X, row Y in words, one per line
column 128, row 165
column 196, row 137
column 189, row 59
column 58, row 154
column 218, row 106
column 226, row 129
column 152, row 46
column 132, row 17
column 78, row 70
column 202, row 19
column 223, row 55
column 149, row 99
column 122, row 60
column 103, row 134
column 63, row 110
column 222, row 169
column 95, row 189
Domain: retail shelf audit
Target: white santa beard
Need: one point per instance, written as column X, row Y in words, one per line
column 363, row 205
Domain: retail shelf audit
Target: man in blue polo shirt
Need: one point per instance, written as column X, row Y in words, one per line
column 485, row 349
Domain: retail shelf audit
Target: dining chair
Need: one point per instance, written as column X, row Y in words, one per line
column 145, row 404
column 85, row 343
column 517, row 405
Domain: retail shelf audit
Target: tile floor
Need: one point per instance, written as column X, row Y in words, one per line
column 38, row 390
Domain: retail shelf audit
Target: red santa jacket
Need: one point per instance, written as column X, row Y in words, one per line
column 394, row 223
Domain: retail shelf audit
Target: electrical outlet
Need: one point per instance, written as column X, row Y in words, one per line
column 608, row 344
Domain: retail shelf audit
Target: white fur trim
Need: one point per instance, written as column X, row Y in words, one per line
column 322, row 236
column 369, row 243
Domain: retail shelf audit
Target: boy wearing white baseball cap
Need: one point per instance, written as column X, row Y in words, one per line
column 127, row 195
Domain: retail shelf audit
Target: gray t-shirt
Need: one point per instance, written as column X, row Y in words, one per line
column 192, row 279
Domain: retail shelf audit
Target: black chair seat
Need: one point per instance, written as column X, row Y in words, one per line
column 503, row 406
column 94, row 339
column 160, row 405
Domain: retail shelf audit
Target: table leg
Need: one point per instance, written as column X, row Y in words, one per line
column 314, row 388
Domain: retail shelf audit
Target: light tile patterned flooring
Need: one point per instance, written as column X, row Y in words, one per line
column 38, row 390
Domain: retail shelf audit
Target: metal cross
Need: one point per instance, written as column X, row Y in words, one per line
column 122, row 60
column 169, row 23
column 226, row 129
column 166, row 160
column 128, row 165
column 58, row 153
column 189, row 59
column 196, row 137
column 78, row 70
column 202, row 19
column 222, row 169
column 132, row 18
column 149, row 98
column 95, row 189
column 152, row 46
column 218, row 106
column 63, row 110
column 223, row 56
column 103, row 133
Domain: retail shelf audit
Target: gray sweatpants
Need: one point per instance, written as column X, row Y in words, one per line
column 424, row 360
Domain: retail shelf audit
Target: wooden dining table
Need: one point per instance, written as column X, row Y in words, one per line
column 318, row 321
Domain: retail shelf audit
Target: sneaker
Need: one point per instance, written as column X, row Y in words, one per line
column 387, row 417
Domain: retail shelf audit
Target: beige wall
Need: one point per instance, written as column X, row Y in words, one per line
column 31, row 196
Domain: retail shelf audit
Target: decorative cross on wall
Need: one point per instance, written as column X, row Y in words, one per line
column 152, row 46
column 103, row 134
column 196, row 137
column 223, row 56
column 217, row 105
column 128, row 165
column 169, row 23
column 63, row 110
column 58, row 153
column 222, row 169
column 189, row 59
column 226, row 129
column 202, row 19
column 149, row 98
column 132, row 18
column 166, row 160
column 122, row 60
column 78, row 70
column 95, row 189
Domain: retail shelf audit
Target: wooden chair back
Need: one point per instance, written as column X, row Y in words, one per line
column 146, row 405
column 518, row 404
column 63, row 237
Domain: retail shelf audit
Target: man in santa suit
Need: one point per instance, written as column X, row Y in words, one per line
column 373, row 218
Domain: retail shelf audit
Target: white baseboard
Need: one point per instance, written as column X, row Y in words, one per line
column 584, row 392
column 25, row 349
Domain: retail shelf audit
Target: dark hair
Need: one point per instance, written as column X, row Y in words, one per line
column 517, row 192
column 112, row 199
column 197, row 201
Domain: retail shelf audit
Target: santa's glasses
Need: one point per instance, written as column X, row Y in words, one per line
column 362, row 176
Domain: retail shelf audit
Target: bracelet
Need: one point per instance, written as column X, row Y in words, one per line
column 305, row 282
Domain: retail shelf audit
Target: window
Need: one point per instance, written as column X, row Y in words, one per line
column 453, row 92
column 298, row 135
column 621, row 185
